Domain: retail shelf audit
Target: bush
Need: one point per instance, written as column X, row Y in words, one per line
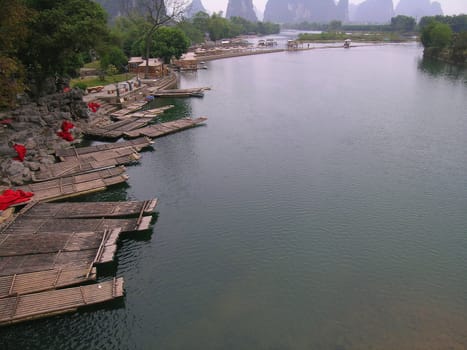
column 80, row 85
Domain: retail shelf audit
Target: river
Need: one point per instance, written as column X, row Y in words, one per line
column 323, row 206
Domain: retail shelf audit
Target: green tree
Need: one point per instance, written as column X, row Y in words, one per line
column 114, row 56
column 14, row 21
column 168, row 42
column 61, row 31
column 153, row 14
column 436, row 34
column 218, row 27
column 195, row 35
column 201, row 21
column 334, row 26
column 403, row 24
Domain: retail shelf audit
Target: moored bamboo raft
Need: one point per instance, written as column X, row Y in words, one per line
column 86, row 163
column 32, row 306
column 38, row 258
column 137, row 145
column 133, row 107
column 25, row 283
column 196, row 92
column 116, row 130
column 145, row 113
column 89, row 209
column 53, row 226
column 72, row 186
column 161, row 129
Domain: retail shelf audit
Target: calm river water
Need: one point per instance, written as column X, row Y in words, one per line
column 323, row 206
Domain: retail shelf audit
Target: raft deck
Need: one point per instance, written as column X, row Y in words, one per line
column 68, row 251
column 161, row 129
column 38, row 305
column 131, row 108
column 34, row 282
column 72, row 186
column 145, row 113
column 87, row 163
column 136, row 145
column 116, row 130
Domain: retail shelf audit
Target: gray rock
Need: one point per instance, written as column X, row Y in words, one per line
column 15, row 168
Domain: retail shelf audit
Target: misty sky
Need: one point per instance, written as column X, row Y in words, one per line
column 450, row 7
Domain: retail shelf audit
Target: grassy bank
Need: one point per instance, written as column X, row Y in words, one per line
column 96, row 81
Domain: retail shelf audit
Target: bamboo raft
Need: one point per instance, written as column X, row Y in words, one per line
column 145, row 113
column 137, row 145
column 69, row 251
column 34, row 282
column 73, row 218
column 129, row 109
column 116, row 130
column 89, row 209
column 87, row 163
column 72, row 186
column 199, row 92
column 32, row 306
column 161, row 129
column 65, row 226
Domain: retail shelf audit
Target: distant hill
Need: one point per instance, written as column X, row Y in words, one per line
column 293, row 11
column 195, row 7
column 418, row 8
column 374, row 11
column 117, row 8
column 241, row 8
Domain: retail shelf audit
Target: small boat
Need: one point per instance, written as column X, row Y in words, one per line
column 347, row 43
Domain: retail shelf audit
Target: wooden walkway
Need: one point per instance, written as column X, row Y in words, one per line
column 136, row 145
column 27, row 307
column 87, row 163
column 157, row 130
column 72, row 186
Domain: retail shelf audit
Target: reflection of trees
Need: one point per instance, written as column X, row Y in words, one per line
column 438, row 68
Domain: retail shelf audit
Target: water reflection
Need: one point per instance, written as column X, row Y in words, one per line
column 436, row 68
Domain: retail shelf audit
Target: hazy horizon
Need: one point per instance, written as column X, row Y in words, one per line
column 450, row 7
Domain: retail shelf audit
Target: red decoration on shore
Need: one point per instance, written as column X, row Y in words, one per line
column 65, row 133
column 20, row 150
column 10, row 197
column 94, row 106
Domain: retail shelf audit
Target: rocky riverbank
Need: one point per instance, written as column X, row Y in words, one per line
column 34, row 124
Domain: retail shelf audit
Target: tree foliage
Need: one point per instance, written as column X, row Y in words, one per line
column 436, row 34
column 168, row 42
column 14, row 19
column 218, row 27
column 151, row 15
column 457, row 23
column 61, row 32
column 403, row 23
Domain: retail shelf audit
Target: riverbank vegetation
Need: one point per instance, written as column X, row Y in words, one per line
column 44, row 43
column 401, row 29
column 445, row 38
column 218, row 27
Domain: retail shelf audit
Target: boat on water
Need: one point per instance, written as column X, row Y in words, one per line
column 347, row 43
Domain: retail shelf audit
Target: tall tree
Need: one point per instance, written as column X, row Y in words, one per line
column 154, row 14
column 168, row 42
column 14, row 19
column 61, row 33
